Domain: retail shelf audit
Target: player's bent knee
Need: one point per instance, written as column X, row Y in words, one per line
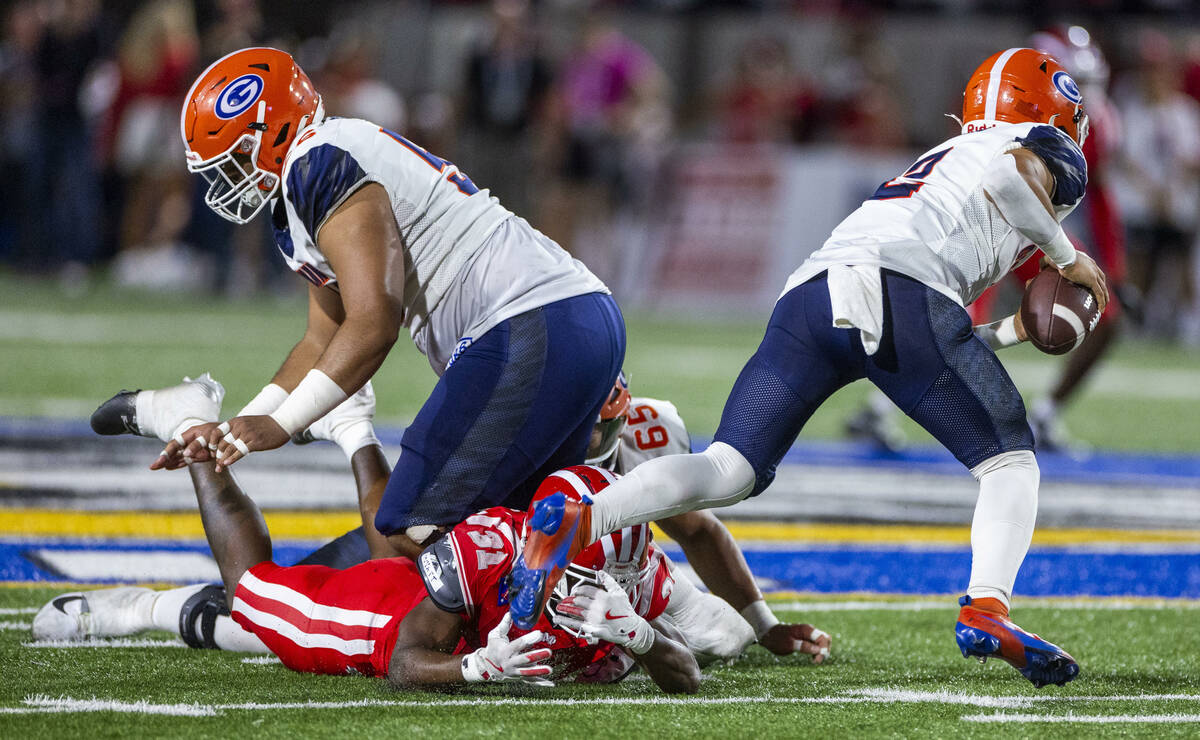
column 735, row 477
column 1018, row 460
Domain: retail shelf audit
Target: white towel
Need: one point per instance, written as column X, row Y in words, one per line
column 856, row 296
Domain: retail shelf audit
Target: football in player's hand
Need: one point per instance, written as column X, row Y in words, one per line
column 1056, row 313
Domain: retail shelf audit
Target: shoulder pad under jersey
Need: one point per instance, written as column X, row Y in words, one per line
column 439, row 570
column 1065, row 160
column 319, row 180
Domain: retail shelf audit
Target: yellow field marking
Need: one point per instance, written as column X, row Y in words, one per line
column 302, row 525
column 315, row 525
column 867, row 534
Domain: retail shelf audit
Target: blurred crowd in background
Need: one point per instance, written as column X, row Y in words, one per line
column 570, row 111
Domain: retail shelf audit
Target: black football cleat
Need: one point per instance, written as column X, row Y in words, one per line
column 117, row 415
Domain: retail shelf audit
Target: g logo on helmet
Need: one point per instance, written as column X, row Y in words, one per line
column 1067, row 87
column 240, row 95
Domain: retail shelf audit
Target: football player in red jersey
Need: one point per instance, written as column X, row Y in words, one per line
column 319, row 619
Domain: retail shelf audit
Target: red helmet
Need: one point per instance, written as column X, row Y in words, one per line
column 606, row 435
column 1023, row 86
column 239, row 120
column 1073, row 46
column 624, row 555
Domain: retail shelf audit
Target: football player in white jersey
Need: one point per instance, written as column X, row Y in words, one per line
column 392, row 236
column 884, row 299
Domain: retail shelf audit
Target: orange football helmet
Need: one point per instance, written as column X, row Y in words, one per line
column 606, row 435
column 239, row 120
column 1022, row 86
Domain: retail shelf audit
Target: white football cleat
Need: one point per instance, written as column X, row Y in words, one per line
column 110, row 612
column 350, row 424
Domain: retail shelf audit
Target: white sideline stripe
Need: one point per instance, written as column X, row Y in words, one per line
column 36, row 704
column 262, row 660
column 993, row 91
column 1090, row 719
column 287, row 630
column 310, row 608
column 122, row 642
column 48, row 705
column 8, row 611
column 1073, row 320
column 15, row 626
column 949, row 604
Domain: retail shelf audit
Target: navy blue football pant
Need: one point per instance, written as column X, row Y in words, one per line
column 929, row 363
column 517, row 405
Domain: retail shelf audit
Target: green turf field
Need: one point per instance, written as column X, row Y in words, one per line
column 61, row 357
column 893, row 673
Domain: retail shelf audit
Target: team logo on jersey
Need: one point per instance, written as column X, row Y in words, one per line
column 459, row 348
column 1065, row 85
column 238, row 96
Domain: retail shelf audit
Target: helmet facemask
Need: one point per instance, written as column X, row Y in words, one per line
column 237, row 187
column 606, row 436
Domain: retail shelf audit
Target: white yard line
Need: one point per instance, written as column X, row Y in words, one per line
column 1091, row 719
column 8, row 611
column 36, row 704
column 122, row 642
column 15, row 626
column 262, row 660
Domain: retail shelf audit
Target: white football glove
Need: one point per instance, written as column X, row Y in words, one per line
column 505, row 660
column 605, row 615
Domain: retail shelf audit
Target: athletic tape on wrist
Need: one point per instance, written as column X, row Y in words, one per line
column 267, row 400
column 1060, row 250
column 316, row 396
column 760, row 617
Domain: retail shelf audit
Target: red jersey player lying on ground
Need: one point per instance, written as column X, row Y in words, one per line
column 375, row 618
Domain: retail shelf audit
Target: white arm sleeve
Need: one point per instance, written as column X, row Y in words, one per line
column 712, row 629
column 1023, row 211
column 999, row 334
column 267, row 400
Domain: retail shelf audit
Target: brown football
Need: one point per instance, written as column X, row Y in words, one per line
column 1058, row 314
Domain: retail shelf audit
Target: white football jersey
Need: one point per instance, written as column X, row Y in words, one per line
column 934, row 223
column 446, row 224
column 654, row 429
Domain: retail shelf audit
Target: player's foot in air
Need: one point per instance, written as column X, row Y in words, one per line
column 110, row 612
column 355, row 415
column 984, row 630
column 559, row 529
column 160, row 413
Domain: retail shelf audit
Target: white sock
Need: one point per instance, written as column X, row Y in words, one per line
column 1003, row 524
column 227, row 633
column 671, row 485
column 168, row 604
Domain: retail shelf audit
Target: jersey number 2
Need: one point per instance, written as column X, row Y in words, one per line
column 918, row 172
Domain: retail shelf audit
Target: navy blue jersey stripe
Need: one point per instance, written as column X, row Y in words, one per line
column 319, row 181
column 1065, row 160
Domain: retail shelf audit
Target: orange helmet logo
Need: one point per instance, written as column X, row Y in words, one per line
column 239, row 120
column 1024, row 86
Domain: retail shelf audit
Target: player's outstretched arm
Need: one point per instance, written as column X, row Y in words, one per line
column 199, row 443
column 363, row 246
column 717, row 559
column 606, row 614
column 428, row 635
